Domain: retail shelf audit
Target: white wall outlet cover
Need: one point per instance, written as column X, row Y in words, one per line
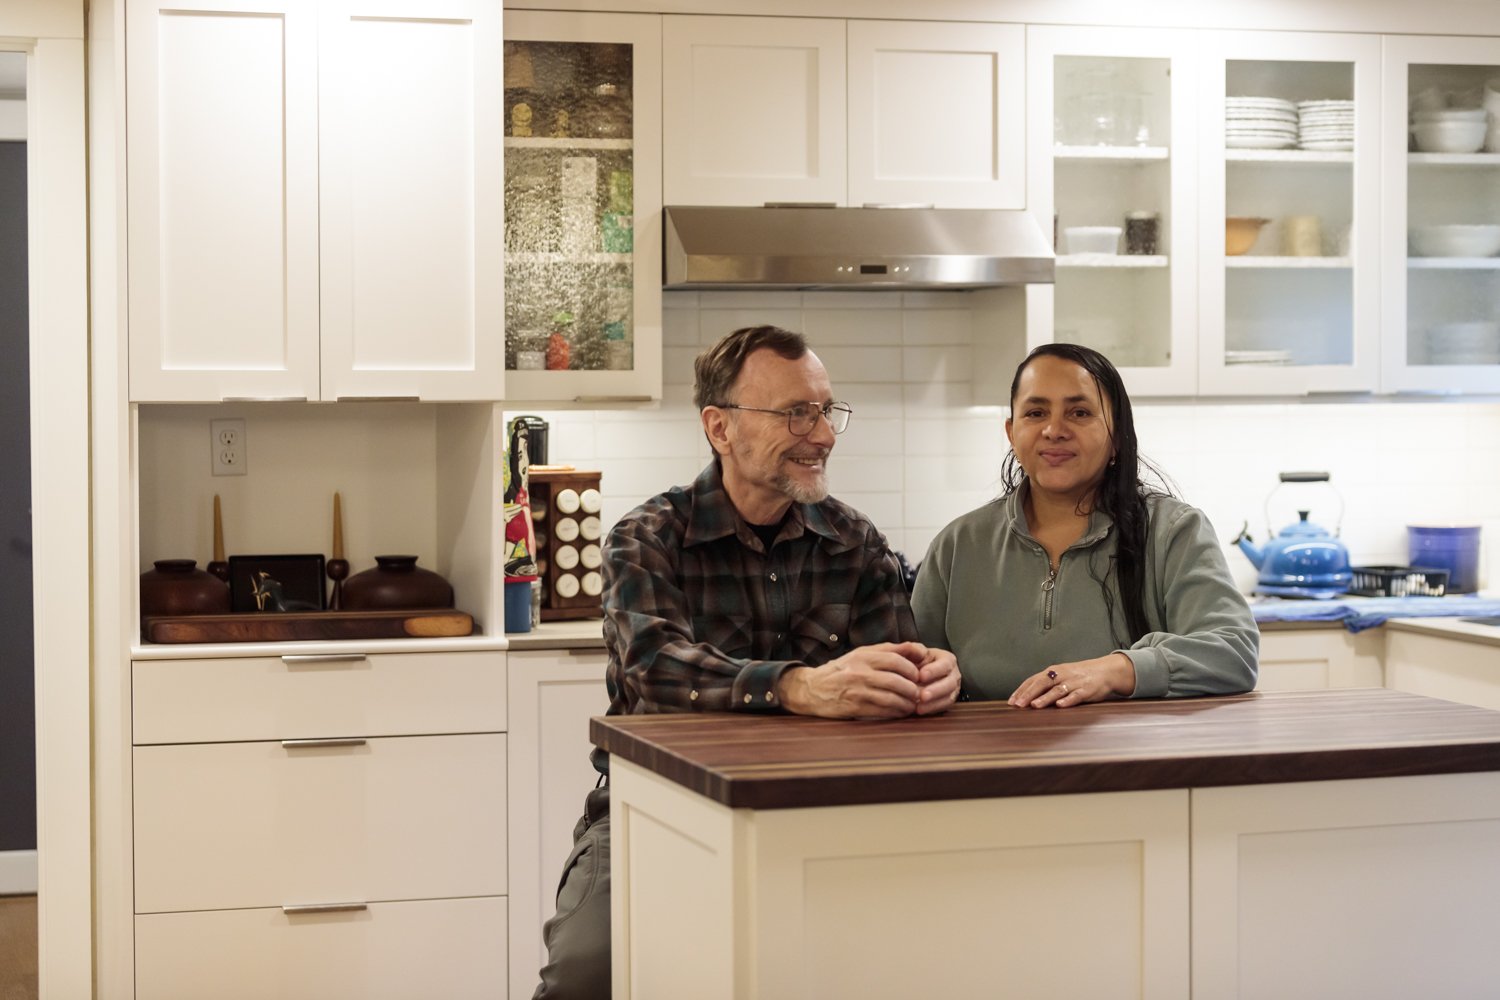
column 227, row 450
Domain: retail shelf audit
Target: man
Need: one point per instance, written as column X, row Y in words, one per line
column 749, row 591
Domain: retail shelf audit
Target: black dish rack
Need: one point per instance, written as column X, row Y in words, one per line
column 1398, row 581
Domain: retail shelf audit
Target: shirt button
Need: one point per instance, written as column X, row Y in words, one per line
column 770, row 696
column 773, row 577
column 832, row 637
column 747, row 699
column 693, row 696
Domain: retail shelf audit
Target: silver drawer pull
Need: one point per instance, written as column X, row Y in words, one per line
column 379, row 399
column 334, row 742
column 297, row 661
column 324, row 908
column 262, row 399
column 587, row 650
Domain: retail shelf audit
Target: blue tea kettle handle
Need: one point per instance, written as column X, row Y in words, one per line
column 1305, row 477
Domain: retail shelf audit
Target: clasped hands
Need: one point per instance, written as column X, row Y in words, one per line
column 1064, row 685
column 889, row 680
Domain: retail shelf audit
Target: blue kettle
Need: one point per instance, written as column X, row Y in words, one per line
column 1304, row 559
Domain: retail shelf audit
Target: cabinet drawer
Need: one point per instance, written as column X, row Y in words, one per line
column 262, row 824
column 293, row 697
column 449, row 948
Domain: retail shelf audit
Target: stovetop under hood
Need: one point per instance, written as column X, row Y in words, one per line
column 848, row 248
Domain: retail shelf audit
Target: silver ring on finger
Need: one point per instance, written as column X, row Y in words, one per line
column 1064, row 687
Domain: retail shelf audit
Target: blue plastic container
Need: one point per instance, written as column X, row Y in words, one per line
column 1454, row 549
column 518, row 605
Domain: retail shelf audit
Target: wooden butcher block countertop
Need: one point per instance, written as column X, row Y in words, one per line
column 988, row 749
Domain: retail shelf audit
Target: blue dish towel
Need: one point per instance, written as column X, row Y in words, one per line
column 1360, row 613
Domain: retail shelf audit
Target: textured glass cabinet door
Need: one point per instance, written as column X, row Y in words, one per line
column 582, row 207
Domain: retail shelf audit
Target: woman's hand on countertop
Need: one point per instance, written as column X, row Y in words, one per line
column 1064, row 685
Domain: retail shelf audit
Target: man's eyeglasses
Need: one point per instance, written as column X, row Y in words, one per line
column 802, row 418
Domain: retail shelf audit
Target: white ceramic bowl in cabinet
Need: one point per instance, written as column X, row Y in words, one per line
column 1448, row 136
column 1456, row 241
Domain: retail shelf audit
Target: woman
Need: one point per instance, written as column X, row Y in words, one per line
column 1081, row 583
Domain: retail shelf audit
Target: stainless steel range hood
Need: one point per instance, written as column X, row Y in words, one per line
column 878, row 248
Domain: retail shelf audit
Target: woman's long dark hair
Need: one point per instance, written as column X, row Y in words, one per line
column 1122, row 494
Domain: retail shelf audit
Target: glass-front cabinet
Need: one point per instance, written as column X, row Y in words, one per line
column 582, row 207
column 1442, row 215
column 1290, row 132
column 1111, row 140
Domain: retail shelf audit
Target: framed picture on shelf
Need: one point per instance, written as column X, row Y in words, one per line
column 276, row 583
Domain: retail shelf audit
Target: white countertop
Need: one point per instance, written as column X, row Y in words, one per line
column 1448, row 628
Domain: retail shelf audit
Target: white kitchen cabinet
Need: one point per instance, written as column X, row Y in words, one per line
column 553, row 693
column 937, row 114
column 753, row 110
column 1113, row 131
column 315, row 204
column 1442, row 329
column 305, row 837
column 1330, row 888
column 1273, row 322
column 583, row 208
column 1462, row 665
column 1316, row 659
column 764, row 109
column 222, row 154
column 356, row 954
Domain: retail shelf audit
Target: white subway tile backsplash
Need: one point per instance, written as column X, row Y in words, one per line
column 880, row 508
column 647, row 439
column 920, row 452
column 813, row 301
column 861, row 364
column 937, row 326
column 679, row 328
column 937, row 364
column 864, row 474
column 828, row 328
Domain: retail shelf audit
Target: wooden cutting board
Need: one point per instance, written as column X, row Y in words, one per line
column 275, row 627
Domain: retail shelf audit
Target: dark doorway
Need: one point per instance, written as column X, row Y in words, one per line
column 17, row 685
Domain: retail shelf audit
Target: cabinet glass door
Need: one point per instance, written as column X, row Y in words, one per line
column 1289, row 188
column 1111, row 179
column 582, row 209
column 1443, row 231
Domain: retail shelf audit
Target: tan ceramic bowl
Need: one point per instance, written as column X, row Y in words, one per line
column 1240, row 232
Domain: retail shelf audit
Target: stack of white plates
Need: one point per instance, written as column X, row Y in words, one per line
column 1257, row 357
column 1259, row 123
column 1325, row 125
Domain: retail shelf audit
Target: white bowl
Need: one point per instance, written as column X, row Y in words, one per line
column 1092, row 239
column 1474, row 338
column 1451, row 115
column 1456, row 241
column 1449, row 136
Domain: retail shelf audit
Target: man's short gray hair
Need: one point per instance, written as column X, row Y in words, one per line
column 717, row 368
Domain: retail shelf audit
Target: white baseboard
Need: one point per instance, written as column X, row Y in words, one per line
column 17, row 873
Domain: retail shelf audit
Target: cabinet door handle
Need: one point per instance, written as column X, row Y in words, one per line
column 302, row 659
column 614, row 399
column 378, row 399
column 585, row 650
column 334, row 742
column 262, row 399
column 295, row 908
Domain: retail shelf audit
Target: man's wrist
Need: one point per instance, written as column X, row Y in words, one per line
column 791, row 687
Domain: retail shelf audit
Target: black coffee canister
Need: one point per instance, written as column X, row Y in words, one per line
column 535, row 429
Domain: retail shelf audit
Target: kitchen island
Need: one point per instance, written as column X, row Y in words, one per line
column 1299, row 844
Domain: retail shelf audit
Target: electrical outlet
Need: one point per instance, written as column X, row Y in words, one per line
column 227, row 447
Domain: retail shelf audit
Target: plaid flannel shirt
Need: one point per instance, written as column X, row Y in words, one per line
column 698, row 616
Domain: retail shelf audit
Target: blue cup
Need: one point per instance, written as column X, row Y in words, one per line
column 518, row 605
column 1453, row 549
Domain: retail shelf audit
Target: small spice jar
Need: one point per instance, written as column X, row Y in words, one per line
column 1141, row 233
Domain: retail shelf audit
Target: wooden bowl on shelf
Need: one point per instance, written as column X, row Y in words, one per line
column 1240, row 232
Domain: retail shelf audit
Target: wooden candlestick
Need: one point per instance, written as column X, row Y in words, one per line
column 218, row 567
column 337, row 567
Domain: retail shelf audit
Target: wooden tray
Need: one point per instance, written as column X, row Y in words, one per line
column 276, row 627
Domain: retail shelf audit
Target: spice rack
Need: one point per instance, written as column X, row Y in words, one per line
column 565, row 516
